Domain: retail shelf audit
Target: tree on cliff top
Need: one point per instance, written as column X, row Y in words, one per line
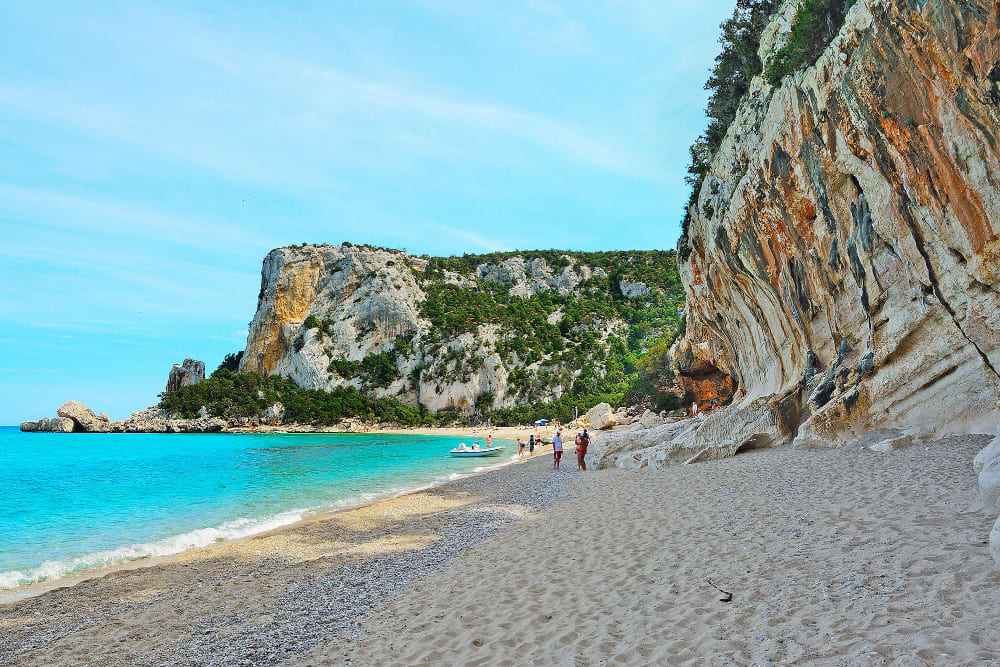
column 735, row 66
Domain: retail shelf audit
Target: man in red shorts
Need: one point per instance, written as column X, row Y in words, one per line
column 557, row 449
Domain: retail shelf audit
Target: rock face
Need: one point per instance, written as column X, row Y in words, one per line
column 709, row 436
column 182, row 375
column 49, row 425
column 632, row 290
column 845, row 247
column 155, row 420
column 84, row 418
column 601, row 416
column 334, row 316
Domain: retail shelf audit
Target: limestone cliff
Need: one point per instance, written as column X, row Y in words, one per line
column 845, row 246
column 453, row 333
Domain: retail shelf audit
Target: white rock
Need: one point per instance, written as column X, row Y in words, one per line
column 985, row 455
column 601, row 416
column 190, row 372
column 995, row 542
column 49, row 425
column 633, row 290
column 84, row 417
column 892, row 444
column 989, row 484
column 650, row 419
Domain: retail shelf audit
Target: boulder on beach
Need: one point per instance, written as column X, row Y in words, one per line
column 190, row 372
column 892, row 444
column 84, row 417
column 650, row 419
column 601, row 416
column 986, row 454
column 989, row 484
column 49, row 425
column 995, row 542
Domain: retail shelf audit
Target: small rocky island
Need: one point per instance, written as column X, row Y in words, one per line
column 75, row 417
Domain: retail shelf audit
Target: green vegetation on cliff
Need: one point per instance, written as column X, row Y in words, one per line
column 548, row 330
column 584, row 340
column 815, row 24
column 735, row 66
column 248, row 396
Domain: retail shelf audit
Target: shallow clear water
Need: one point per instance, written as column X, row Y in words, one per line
column 70, row 502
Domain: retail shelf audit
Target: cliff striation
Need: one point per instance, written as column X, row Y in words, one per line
column 461, row 333
column 845, row 246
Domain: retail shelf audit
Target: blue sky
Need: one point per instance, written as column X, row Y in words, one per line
column 153, row 153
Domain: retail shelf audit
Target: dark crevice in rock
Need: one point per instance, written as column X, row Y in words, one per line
column 918, row 240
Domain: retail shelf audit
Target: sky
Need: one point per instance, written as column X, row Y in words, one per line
column 153, row 153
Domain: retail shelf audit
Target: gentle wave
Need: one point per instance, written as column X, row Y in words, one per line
column 200, row 537
column 203, row 537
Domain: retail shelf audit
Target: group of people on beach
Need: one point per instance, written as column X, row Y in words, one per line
column 582, row 443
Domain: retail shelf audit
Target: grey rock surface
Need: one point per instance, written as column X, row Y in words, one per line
column 84, row 417
column 190, row 372
column 49, row 425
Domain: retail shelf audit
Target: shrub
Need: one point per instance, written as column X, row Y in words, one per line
column 313, row 322
column 735, row 66
column 231, row 362
column 248, row 395
column 816, row 23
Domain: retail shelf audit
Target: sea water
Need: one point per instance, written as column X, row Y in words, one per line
column 70, row 502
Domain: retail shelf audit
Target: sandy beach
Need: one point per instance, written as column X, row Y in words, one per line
column 834, row 556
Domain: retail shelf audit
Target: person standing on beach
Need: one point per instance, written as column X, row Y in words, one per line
column 582, row 442
column 520, row 447
column 531, row 445
column 694, row 409
column 556, row 449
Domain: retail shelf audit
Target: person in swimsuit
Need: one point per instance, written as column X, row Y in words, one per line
column 557, row 449
column 520, row 447
column 489, row 441
column 531, row 445
column 582, row 442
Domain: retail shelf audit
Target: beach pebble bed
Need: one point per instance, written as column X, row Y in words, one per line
column 273, row 598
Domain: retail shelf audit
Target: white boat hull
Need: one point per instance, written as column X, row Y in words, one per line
column 492, row 451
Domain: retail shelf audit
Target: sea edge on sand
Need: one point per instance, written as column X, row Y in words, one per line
column 13, row 595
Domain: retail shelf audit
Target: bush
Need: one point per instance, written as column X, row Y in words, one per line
column 231, row 362
column 816, row 23
column 248, row 395
column 313, row 322
column 735, row 66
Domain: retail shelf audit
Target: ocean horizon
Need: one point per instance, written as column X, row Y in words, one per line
column 79, row 501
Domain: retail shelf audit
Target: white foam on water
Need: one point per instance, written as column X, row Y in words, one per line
column 201, row 537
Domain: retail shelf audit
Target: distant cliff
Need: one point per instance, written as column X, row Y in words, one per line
column 844, row 261
column 487, row 331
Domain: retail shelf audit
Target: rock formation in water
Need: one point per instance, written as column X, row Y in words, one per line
column 190, row 372
column 456, row 333
column 49, row 425
column 84, row 418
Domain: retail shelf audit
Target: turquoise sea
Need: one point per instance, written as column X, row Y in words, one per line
column 70, row 502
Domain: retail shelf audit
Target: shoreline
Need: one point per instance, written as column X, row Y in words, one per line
column 31, row 590
column 823, row 551
column 303, row 583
